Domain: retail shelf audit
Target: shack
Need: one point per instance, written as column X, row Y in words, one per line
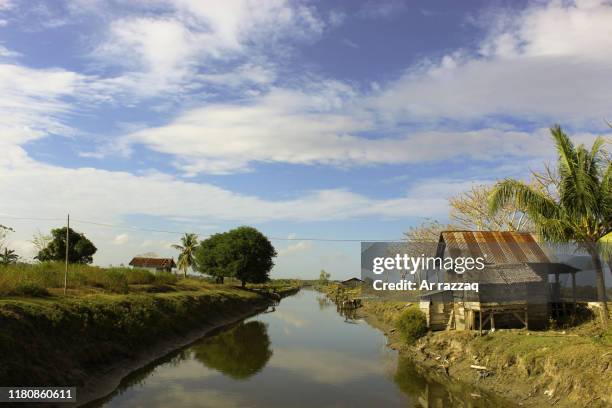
column 514, row 288
column 153, row 264
column 351, row 283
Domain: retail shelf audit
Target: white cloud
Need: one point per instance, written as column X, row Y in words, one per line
column 6, row 4
column 111, row 194
column 547, row 64
column 5, row 52
column 299, row 246
column 32, row 103
column 319, row 127
column 109, row 197
column 530, row 68
column 194, row 40
column 121, row 239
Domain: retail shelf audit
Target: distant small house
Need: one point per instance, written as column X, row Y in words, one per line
column 153, row 264
column 352, row 283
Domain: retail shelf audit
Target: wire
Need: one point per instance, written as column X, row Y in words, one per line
column 130, row 227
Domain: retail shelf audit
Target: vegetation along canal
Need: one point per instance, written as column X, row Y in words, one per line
column 303, row 353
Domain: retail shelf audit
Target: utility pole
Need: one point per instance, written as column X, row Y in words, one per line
column 67, row 245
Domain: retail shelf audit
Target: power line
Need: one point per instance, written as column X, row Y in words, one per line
column 134, row 228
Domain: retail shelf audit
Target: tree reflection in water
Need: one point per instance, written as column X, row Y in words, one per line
column 239, row 352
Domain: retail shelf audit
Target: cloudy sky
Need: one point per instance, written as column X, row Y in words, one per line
column 327, row 119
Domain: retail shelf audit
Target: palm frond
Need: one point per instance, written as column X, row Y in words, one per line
column 565, row 150
column 531, row 201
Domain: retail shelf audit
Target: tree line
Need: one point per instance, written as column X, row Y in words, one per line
column 242, row 253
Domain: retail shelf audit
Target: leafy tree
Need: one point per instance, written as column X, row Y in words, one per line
column 80, row 249
column 239, row 353
column 212, row 256
column 251, row 255
column 189, row 243
column 243, row 253
column 581, row 209
column 324, row 276
column 8, row 257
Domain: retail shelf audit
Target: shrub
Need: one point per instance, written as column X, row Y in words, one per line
column 412, row 324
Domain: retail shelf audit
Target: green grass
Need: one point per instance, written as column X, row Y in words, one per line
column 48, row 277
column 56, row 339
column 44, row 279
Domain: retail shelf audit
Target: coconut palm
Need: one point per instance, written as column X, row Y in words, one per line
column 580, row 211
column 187, row 248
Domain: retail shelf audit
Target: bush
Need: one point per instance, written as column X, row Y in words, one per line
column 412, row 325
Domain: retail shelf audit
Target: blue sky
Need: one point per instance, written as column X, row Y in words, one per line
column 335, row 119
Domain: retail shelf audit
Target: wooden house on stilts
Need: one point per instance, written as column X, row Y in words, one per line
column 513, row 285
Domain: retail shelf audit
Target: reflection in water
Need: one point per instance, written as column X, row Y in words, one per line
column 301, row 349
column 430, row 393
column 239, row 352
column 350, row 315
column 324, row 302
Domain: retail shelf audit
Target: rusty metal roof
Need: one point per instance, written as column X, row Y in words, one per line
column 159, row 263
column 497, row 247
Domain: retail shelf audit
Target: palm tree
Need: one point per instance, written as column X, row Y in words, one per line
column 580, row 211
column 188, row 245
column 8, row 257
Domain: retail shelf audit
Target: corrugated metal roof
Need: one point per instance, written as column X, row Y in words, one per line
column 153, row 262
column 505, row 274
column 497, row 247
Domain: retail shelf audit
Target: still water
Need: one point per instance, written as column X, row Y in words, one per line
column 302, row 354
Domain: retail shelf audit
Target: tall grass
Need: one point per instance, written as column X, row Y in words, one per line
column 36, row 279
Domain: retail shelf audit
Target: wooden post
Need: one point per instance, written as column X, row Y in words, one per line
column 480, row 317
column 526, row 319
column 492, row 320
column 67, row 245
column 574, row 290
column 557, row 295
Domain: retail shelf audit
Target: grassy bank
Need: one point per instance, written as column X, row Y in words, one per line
column 564, row 368
column 108, row 315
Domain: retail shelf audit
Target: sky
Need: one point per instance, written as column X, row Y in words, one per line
column 342, row 120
